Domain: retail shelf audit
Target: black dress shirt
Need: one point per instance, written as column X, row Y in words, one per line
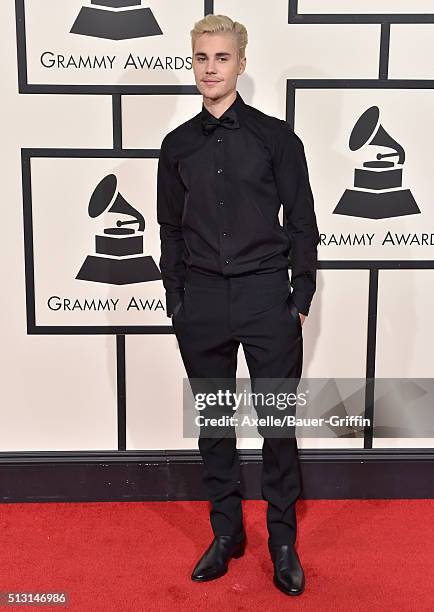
column 220, row 186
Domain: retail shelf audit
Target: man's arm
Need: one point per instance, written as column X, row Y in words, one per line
column 170, row 202
column 292, row 180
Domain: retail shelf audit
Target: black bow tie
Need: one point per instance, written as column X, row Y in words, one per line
column 230, row 121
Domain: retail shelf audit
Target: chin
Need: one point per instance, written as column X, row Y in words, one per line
column 213, row 93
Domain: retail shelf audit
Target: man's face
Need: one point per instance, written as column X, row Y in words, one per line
column 215, row 64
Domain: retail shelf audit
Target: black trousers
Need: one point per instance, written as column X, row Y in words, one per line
column 216, row 315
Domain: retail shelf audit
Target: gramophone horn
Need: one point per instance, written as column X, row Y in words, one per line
column 104, row 194
column 368, row 124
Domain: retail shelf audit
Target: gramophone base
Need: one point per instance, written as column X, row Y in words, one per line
column 116, row 25
column 376, row 205
column 390, row 178
column 119, row 271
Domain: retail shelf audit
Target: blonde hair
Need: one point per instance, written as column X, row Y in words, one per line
column 221, row 23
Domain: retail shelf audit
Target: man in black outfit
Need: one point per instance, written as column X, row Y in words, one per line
column 222, row 177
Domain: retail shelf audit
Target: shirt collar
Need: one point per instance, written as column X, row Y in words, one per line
column 237, row 105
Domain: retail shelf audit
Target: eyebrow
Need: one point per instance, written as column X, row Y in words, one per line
column 220, row 53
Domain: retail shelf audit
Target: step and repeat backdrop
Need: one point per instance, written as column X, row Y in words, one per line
column 90, row 88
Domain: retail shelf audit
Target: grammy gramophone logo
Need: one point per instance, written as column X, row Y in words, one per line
column 119, row 259
column 377, row 192
column 116, row 20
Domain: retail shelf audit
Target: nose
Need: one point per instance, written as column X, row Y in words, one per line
column 210, row 68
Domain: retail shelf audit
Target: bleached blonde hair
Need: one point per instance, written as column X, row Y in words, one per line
column 214, row 24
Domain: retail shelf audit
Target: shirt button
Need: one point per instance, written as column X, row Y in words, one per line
column 219, row 139
column 220, row 170
column 221, row 203
column 225, row 233
column 226, row 261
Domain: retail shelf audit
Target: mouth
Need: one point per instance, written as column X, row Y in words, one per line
column 210, row 82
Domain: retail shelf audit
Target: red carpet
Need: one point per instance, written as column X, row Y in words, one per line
column 133, row 556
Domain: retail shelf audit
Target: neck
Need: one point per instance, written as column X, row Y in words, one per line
column 218, row 107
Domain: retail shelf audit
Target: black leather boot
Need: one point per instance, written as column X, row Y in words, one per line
column 288, row 572
column 214, row 561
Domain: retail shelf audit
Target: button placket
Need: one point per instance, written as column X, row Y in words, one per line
column 221, row 197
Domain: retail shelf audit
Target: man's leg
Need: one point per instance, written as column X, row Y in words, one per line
column 209, row 352
column 272, row 340
column 271, row 334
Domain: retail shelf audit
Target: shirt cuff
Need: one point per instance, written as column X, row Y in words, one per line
column 301, row 301
column 172, row 300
